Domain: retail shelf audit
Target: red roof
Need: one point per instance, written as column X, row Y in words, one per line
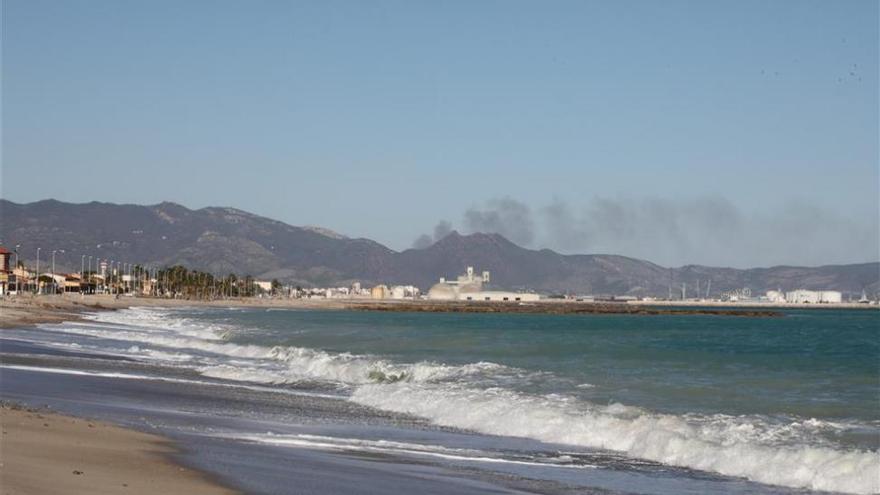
column 3, row 250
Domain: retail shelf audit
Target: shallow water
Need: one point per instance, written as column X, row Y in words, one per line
column 789, row 401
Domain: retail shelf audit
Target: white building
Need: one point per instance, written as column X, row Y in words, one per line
column 403, row 292
column 500, row 296
column 451, row 290
column 379, row 292
column 469, row 287
column 776, row 296
column 802, row 296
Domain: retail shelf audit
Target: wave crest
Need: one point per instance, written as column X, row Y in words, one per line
column 658, row 437
column 473, row 396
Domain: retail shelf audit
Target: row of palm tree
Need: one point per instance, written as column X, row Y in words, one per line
column 175, row 281
column 181, row 282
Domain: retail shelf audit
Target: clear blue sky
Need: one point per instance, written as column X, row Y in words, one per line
column 380, row 118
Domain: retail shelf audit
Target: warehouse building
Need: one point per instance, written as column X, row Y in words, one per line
column 469, row 287
column 802, row 296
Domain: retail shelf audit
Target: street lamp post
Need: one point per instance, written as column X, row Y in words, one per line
column 37, row 285
column 89, row 286
column 82, row 274
column 14, row 266
column 54, row 283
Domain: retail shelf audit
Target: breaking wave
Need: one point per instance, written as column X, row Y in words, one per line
column 664, row 438
column 474, row 397
column 264, row 364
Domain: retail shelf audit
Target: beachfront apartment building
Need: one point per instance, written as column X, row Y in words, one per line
column 4, row 259
column 5, row 274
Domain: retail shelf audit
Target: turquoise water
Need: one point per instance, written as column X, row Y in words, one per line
column 791, row 401
column 817, row 364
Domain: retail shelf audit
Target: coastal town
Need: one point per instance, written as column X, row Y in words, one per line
column 440, row 248
column 125, row 279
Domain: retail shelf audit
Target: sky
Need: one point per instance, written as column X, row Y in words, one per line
column 731, row 133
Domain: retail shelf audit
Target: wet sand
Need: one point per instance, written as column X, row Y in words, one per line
column 199, row 414
column 48, row 453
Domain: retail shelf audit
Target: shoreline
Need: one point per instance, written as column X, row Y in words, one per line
column 306, row 435
column 28, row 310
column 221, row 434
column 47, row 452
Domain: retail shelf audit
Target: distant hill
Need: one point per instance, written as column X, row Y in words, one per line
column 224, row 240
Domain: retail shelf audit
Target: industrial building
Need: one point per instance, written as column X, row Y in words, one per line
column 500, row 296
column 403, row 292
column 775, row 296
column 469, row 287
column 802, row 296
column 452, row 290
column 379, row 292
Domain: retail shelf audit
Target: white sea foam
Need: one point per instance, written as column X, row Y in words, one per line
column 663, row 438
column 405, row 448
column 278, row 364
column 155, row 354
column 152, row 319
column 132, row 376
column 774, row 453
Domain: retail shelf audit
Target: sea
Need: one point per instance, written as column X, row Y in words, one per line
column 525, row 402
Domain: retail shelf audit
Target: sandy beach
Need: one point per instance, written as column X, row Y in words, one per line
column 48, row 453
column 43, row 452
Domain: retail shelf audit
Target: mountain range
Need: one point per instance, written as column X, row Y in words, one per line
column 228, row 240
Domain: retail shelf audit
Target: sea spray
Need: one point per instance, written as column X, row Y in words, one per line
column 477, row 397
column 663, row 438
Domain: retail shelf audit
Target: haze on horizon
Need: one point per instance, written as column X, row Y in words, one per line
column 721, row 133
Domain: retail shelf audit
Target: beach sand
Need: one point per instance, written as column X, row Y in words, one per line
column 47, row 453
